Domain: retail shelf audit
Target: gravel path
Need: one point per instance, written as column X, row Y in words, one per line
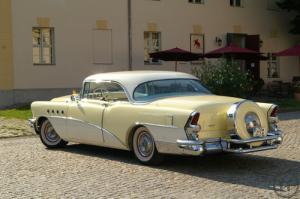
column 28, row 170
column 14, row 128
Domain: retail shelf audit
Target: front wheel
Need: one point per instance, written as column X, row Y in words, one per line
column 49, row 137
column 144, row 147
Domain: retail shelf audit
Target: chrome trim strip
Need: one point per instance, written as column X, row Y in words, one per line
column 251, row 140
column 262, row 148
column 31, row 122
column 90, row 124
column 157, row 125
column 231, row 113
column 182, row 143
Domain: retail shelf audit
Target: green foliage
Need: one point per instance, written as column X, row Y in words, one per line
column 292, row 5
column 225, row 78
column 23, row 113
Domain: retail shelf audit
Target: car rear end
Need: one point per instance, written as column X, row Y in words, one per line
column 241, row 127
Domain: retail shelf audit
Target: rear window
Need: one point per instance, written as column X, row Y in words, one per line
column 167, row 88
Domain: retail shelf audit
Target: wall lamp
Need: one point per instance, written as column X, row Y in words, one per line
column 218, row 41
column 261, row 43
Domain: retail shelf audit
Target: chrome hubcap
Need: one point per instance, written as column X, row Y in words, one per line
column 253, row 124
column 145, row 144
column 50, row 134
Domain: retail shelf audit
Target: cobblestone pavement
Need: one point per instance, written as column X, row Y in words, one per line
column 28, row 170
column 14, row 128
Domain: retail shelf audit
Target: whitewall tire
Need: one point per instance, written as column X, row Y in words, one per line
column 144, row 147
column 49, row 137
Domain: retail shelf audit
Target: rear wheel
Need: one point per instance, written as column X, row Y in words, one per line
column 49, row 137
column 144, row 147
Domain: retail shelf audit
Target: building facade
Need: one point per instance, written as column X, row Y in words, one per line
column 47, row 47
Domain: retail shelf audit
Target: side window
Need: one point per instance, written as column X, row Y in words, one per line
column 108, row 91
column 85, row 90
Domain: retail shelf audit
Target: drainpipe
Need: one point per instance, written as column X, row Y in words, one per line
column 129, row 36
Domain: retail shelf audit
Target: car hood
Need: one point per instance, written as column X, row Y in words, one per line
column 61, row 99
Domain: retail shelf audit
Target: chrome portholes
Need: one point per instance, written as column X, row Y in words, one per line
column 145, row 144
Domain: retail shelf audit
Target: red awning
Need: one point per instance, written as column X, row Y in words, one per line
column 231, row 50
column 175, row 54
column 293, row 51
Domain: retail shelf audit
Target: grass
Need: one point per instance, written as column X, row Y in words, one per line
column 23, row 113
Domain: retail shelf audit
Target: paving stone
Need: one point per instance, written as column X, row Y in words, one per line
column 29, row 170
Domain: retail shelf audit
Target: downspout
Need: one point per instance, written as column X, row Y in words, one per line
column 129, row 36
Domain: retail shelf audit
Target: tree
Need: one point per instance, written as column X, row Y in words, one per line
column 292, row 5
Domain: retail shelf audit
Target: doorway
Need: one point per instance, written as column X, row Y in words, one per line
column 251, row 42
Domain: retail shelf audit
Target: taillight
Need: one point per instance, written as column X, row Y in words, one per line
column 195, row 118
column 274, row 112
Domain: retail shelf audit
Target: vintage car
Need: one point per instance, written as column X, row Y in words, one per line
column 153, row 113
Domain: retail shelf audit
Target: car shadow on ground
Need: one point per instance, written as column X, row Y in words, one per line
column 249, row 170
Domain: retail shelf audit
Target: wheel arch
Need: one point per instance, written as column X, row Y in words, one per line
column 39, row 123
column 130, row 134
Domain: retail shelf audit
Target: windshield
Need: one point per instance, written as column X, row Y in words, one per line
column 166, row 88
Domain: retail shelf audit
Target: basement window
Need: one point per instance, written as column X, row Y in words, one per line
column 197, row 1
column 43, row 46
column 236, row 3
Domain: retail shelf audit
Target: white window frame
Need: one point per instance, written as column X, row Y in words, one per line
column 196, row 1
column 41, row 47
column 152, row 48
column 235, row 3
column 273, row 62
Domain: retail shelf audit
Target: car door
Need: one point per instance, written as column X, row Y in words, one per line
column 85, row 115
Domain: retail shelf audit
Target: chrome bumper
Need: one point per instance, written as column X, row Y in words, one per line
column 31, row 123
column 193, row 147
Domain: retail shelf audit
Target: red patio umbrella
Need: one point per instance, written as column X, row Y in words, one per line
column 293, row 51
column 234, row 51
column 175, row 54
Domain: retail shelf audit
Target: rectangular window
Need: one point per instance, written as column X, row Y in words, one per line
column 102, row 47
column 197, row 1
column 236, row 3
column 43, row 45
column 273, row 66
column 152, row 43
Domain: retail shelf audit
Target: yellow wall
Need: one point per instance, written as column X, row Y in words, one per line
column 6, row 63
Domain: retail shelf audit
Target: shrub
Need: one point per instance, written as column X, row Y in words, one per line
column 225, row 78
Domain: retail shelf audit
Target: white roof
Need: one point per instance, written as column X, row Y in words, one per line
column 131, row 79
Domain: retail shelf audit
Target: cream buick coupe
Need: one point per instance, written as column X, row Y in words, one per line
column 153, row 113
